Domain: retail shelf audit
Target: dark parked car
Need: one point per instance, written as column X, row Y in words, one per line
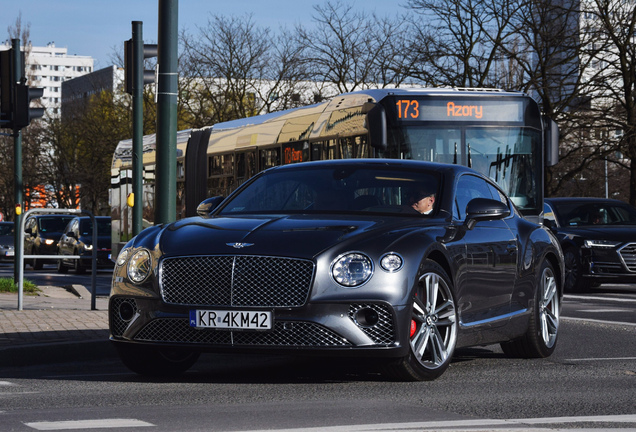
column 77, row 239
column 42, row 232
column 330, row 258
column 598, row 238
column 7, row 251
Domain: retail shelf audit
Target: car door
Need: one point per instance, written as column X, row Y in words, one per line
column 66, row 241
column 491, row 259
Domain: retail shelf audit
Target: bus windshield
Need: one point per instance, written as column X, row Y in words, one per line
column 511, row 156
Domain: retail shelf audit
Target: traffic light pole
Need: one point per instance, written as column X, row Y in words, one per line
column 138, row 124
column 17, row 162
column 166, row 181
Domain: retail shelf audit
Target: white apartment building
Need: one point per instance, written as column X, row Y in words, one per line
column 48, row 67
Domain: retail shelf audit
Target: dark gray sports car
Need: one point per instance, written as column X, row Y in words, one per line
column 331, row 258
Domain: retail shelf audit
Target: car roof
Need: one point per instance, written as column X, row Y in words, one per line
column 378, row 162
column 583, row 200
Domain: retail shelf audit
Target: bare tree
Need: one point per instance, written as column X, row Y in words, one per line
column 234, row 69
column 352, row 49
column 612, row 53
column 460, row 42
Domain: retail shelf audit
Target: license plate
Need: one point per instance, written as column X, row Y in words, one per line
column 231, row 319
column 9, row 254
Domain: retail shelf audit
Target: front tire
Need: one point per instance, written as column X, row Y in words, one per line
column 541, row 337
column 61, row 267
column 433, row 327
column 155, row 362
column 37, row 264
column 574, row 282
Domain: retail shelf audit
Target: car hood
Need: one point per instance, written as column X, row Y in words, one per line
column 294, row 236
column 6, row 240
column 620, row 233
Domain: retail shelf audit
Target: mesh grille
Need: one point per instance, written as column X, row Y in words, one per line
column 117, row 324
column 628, row 253
column 381, row 333
column 236, row 281
column 284, row 334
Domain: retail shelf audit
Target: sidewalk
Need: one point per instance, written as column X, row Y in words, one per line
column 56, row 325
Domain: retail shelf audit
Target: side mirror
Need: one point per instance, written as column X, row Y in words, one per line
column 549, row 223
column 482, row 209
column 71, row 234
column 376, row 125
column 208, row 205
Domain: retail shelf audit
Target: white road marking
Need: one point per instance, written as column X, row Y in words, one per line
column 603, row 359
column 598, row 321
column 87, row 424
column 600, row 310
column 606, row 299
column 484, row 424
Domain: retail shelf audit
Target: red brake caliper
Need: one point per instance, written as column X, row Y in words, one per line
column 413, row 328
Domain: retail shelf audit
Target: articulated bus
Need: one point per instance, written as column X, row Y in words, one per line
column 501, row 134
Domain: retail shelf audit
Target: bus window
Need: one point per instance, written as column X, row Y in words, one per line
column 316, row 151
column 269, row 158
column 245, row 166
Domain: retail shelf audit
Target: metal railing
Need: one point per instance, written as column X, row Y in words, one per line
column 20, row 262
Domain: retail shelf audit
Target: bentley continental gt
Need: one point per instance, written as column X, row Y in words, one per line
column 332, row 258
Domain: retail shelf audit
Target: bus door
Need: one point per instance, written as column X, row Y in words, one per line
column 245, row 165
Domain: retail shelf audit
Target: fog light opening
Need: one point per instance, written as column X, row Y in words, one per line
column 367, row 317
column 126, row 311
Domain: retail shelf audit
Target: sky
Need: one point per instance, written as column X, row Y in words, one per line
column 97, row 28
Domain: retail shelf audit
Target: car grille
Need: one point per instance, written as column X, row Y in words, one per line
column 628, row 254
column 380, row 333
column 225, row 280
column 284, row 334
column 118, row 324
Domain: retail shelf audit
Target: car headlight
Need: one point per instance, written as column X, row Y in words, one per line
column 601, row 243
column 49, row 242
column 123, row 257
column 352, row 269
column 391, row 262
column 88, row 247
column 139, row 266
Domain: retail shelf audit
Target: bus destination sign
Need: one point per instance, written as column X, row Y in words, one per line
column 473, row 110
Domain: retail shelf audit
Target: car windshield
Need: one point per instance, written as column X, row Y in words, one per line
column 596, row 213
column 341, row 188
column 54, row 223
column 6, row 229
column 103, row 227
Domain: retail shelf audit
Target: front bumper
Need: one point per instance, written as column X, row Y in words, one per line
column 617, row 265
column 328, row 328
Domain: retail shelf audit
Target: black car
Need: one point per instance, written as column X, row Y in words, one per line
column 330, row 258
column 598, row 238
column 7, row 239
column 77, row 239
column 42, row 232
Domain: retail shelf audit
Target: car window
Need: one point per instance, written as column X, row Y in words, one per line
column 86, row 227
column 6, row 229
column 340, row 189
column 577, row 213
column 470, row 187
column 53, row 224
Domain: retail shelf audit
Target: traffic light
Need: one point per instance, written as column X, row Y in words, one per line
column 6, row 88
column 149, row 50
column 23, row 113
column 16, row 96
